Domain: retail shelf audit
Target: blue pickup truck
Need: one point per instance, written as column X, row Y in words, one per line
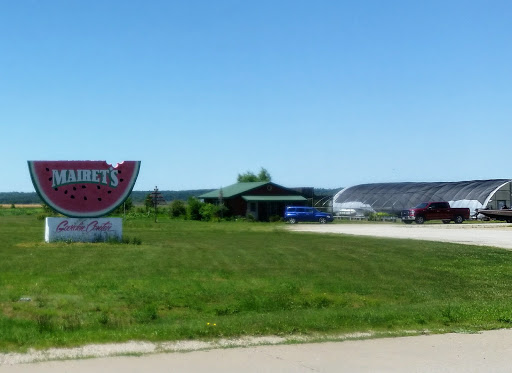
column 295, row 214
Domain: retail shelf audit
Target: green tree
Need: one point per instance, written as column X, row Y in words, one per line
column 148, row 202
column 194, row 208
column 177, row 208
column 264, row 175
column 249, row 176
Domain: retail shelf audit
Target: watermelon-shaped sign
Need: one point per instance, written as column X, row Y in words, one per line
column 83, row 189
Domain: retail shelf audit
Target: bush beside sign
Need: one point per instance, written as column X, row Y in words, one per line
column 83, row 230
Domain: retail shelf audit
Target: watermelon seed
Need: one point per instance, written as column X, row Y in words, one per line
column 85, row 198
column 56, row 189
column 98, row 187
column 72, row 197
column 65, row 192
column 83, row 187
column 121, row 180
column 47, row 169
column 50, row 178
column 99, row 199
column 117, row 171
column 74, row 188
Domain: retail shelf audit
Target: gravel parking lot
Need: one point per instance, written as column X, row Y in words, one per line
column 497, row 235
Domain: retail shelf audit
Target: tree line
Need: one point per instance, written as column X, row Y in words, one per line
column 137, row 197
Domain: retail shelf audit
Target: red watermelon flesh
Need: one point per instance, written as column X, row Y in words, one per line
column 83, row 188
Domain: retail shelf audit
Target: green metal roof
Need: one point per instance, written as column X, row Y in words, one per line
column 273, row 198
column 234, row 189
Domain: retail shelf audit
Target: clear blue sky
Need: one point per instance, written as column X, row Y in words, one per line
column 320, row 93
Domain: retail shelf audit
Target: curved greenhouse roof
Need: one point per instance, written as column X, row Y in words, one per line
column 394, row 197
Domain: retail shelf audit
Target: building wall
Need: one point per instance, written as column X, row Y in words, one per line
column 237, row 206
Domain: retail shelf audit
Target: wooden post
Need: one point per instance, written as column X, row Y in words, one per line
column 157, row 198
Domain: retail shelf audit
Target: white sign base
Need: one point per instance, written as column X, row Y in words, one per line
column 83, row 230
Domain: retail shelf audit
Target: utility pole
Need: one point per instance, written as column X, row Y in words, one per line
column 157, row 199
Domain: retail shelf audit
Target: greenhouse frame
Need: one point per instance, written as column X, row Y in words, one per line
column 391, row 198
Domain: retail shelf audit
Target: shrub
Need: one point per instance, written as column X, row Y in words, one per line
column 371, row 216
column 177, row 209
column 140, row 213
column 376, row 216
column 193, row 208
column 47, row 210
column 275, row 218
column 209, row 212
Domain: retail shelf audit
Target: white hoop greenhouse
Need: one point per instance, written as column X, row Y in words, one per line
column 391, row 198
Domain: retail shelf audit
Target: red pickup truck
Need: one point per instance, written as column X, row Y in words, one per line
column 435, row 211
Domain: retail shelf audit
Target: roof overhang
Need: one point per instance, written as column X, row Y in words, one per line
column 273, row 198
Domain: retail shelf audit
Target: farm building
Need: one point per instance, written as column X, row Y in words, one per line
column 393, row 197
column 259, row 199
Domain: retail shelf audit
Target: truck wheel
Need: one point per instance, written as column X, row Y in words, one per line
column 420, row 220
column 292, row 220
column 458, row 219
column 446, row 221
column 322, row 220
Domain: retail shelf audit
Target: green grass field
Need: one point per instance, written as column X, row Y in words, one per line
column 197, row 280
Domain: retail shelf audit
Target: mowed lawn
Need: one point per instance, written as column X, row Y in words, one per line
column 198, row 280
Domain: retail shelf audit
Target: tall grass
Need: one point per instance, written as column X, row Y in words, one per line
column 246, row 278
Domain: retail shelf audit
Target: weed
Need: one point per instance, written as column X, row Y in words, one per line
column 146, row 314
column 45, row 322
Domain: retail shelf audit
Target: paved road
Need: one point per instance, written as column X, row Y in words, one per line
column 498, row 235
column 465, row 353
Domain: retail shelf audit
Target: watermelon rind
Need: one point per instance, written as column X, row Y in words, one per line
column 75, row 214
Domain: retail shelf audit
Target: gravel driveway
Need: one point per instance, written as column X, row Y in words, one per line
column 497, row 235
